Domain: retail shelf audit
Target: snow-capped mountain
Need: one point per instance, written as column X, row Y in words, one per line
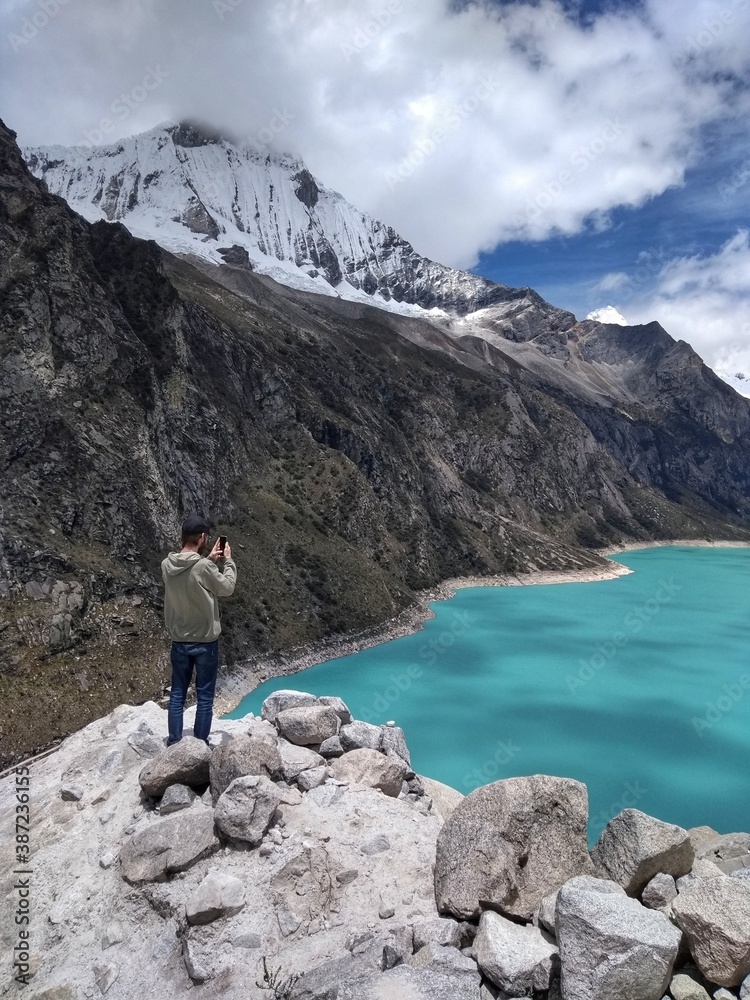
column 195, row 192
column 738, row 381
column 607, row 314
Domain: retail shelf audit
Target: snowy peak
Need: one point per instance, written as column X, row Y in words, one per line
column 195, row 192
column 738, row 381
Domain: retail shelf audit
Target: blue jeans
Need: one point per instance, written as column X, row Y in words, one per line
column 204, row 656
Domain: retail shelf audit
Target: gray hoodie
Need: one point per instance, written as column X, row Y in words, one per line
column 193, row 585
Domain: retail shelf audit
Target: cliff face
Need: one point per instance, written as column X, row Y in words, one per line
column 352, row 455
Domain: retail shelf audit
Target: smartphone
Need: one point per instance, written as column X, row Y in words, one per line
column 222, row 541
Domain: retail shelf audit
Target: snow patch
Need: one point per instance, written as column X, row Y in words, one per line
column 608, row 314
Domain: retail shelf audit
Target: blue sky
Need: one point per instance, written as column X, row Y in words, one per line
column 597, row 151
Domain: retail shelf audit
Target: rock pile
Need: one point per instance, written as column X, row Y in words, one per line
column 300, row 857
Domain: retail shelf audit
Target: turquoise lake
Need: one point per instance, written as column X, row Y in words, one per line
column 637, row 686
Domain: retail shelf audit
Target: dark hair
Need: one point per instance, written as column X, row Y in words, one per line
column 191, row 537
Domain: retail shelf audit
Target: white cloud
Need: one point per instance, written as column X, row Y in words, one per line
column 704, row 300
column 461, row 129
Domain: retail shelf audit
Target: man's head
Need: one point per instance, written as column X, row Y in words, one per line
column 194, row 528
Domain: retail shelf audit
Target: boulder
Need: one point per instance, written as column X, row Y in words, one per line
column 517, row 958
column 409, row 982
column 443, row 958
column 360, row 736
column 634, row 847
column 437, row 930
column 659, row 892
column 612, row 947
column 370, row 768
column 176, row 797
column 730, row 851
column 145, row 743
column 745, row 989
column 169, row 845
column 510, row 844
column 244, row 811
column 241, row 756
column 544, row 915
column 393, row 743
column 279, row 701
column 338, row 706
column 296, row 759
column 218, row 895
column 685, row 987
column 444, row 798
column 308, row 726
column 331, row 747
column 184, row 763
column 311, row 778
column 715, row 916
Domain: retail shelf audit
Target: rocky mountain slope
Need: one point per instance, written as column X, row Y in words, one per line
column 353, row 455
column 300, row 857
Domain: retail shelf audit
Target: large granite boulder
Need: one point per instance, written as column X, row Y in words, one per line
column 393, row 743
column 241, row 756
column 715, row 916
column 184, row 763
column 518, row 958
column 370, row 768
column 360, row 736
column 245, row 810
column 218, row 895
column 612, row 947
column 634, row 847
column 659, row 892
column 510, row 844
column 295, row 760
column 279, row 701
column 730, row 851
column 339, row 707
column 437, row 930
column 309, row 726
column 168, row 845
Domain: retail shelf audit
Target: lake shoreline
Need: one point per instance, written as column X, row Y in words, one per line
column 244, row 676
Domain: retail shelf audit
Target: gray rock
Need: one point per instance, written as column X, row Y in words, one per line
column 612, row 947
column 745, row 989
column 685, row 987
column 244, row 811
column 312, row 778
column 517, row 958
column 408, row 982
column 659, row 892
column 443, row 958
column 634, row 847
column 730, row 851
column 346, row 876
column 296, row 759
column 71, row 793
column 176, row 797
column 511, row 843
column 715, row 916
column 376, row 845
column 105, row 976
column 324, row 980
column 393, row 743
column 338, row 706
column 743, row 874
column 723, row 994
column 218, row 895
column 241, row 756
column 113, row 934
column 308, row 726
column 325, row 795
column 279, row 701
column 437, row 930
column 370, row 768
column 331, row 747
column 184, row 763
column 545, row 913
column 360, row 736
column 169, row 845
column 246, row 941
column 145, row 744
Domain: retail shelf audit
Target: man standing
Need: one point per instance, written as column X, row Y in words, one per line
column 193, row 583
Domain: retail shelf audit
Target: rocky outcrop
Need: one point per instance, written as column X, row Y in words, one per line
column 715, row 916
column 509, row 844
column 634, row 847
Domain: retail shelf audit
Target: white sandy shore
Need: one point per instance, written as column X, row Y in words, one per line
column 245, row 676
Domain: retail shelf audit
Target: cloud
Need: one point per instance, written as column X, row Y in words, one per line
column 702, row 300
column 461, row 127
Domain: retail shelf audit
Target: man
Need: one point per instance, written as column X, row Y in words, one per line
column 193, row 584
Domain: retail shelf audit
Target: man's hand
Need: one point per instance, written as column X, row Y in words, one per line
column 217, row 552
